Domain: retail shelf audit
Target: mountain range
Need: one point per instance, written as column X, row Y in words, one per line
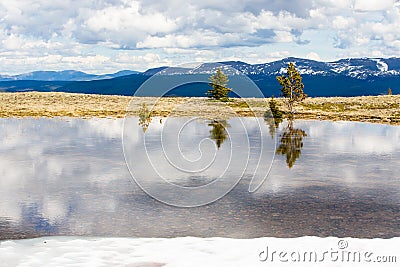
column 65, row 75
column 345, row 77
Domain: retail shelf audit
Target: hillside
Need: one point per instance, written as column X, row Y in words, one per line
column 345, row 77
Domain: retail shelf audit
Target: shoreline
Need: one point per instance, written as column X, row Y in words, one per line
column 383, row 109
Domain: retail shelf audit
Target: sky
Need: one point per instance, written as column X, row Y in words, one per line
column 105, row 36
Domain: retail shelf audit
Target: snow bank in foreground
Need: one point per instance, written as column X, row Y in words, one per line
column 191, row 251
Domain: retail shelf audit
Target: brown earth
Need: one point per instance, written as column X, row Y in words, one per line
column 379, row 109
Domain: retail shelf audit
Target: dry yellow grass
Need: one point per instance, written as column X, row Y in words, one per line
column 381, row 109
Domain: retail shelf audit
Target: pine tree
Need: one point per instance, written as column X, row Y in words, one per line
column 218, row 82
column 292, row 87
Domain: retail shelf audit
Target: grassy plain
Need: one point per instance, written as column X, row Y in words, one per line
column 379, row 109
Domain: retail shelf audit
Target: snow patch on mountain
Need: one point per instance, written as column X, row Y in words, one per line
column 382, row 66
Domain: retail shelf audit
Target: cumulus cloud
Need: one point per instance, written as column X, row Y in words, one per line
column 94, row 31
column 125, row 24
column 373, row 5
column 342, row 23
column 313, row 56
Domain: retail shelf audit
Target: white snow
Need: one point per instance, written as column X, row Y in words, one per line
column 305, row 71
column 382, row 66
column 192, row 251
column 393, row 72
column 282, row 70
column 339, row 69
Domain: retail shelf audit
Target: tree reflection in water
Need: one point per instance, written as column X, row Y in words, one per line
column 291, row 143
column 272, row 122
column 273, row 116
column 218, row 132
column 290, row 140
column 144, row 117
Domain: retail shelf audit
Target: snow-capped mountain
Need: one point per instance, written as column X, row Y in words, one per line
column 304, row 66
column 345, row 77
column 204, row 68
column 362, row 68
column 366, row 67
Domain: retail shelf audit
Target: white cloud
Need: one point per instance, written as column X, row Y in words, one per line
column 196, row 39
column 373, row 5
column 72, row 33
column 128, row 18
column 342, row 23
column 12, row 42
column 283, row 37
column 313, row 56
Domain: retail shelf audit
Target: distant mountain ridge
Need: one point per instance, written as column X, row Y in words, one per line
column 345, row 77
column 360, row 68
column 65, row 75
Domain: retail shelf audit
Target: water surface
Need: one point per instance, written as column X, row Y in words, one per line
column 69, row 177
